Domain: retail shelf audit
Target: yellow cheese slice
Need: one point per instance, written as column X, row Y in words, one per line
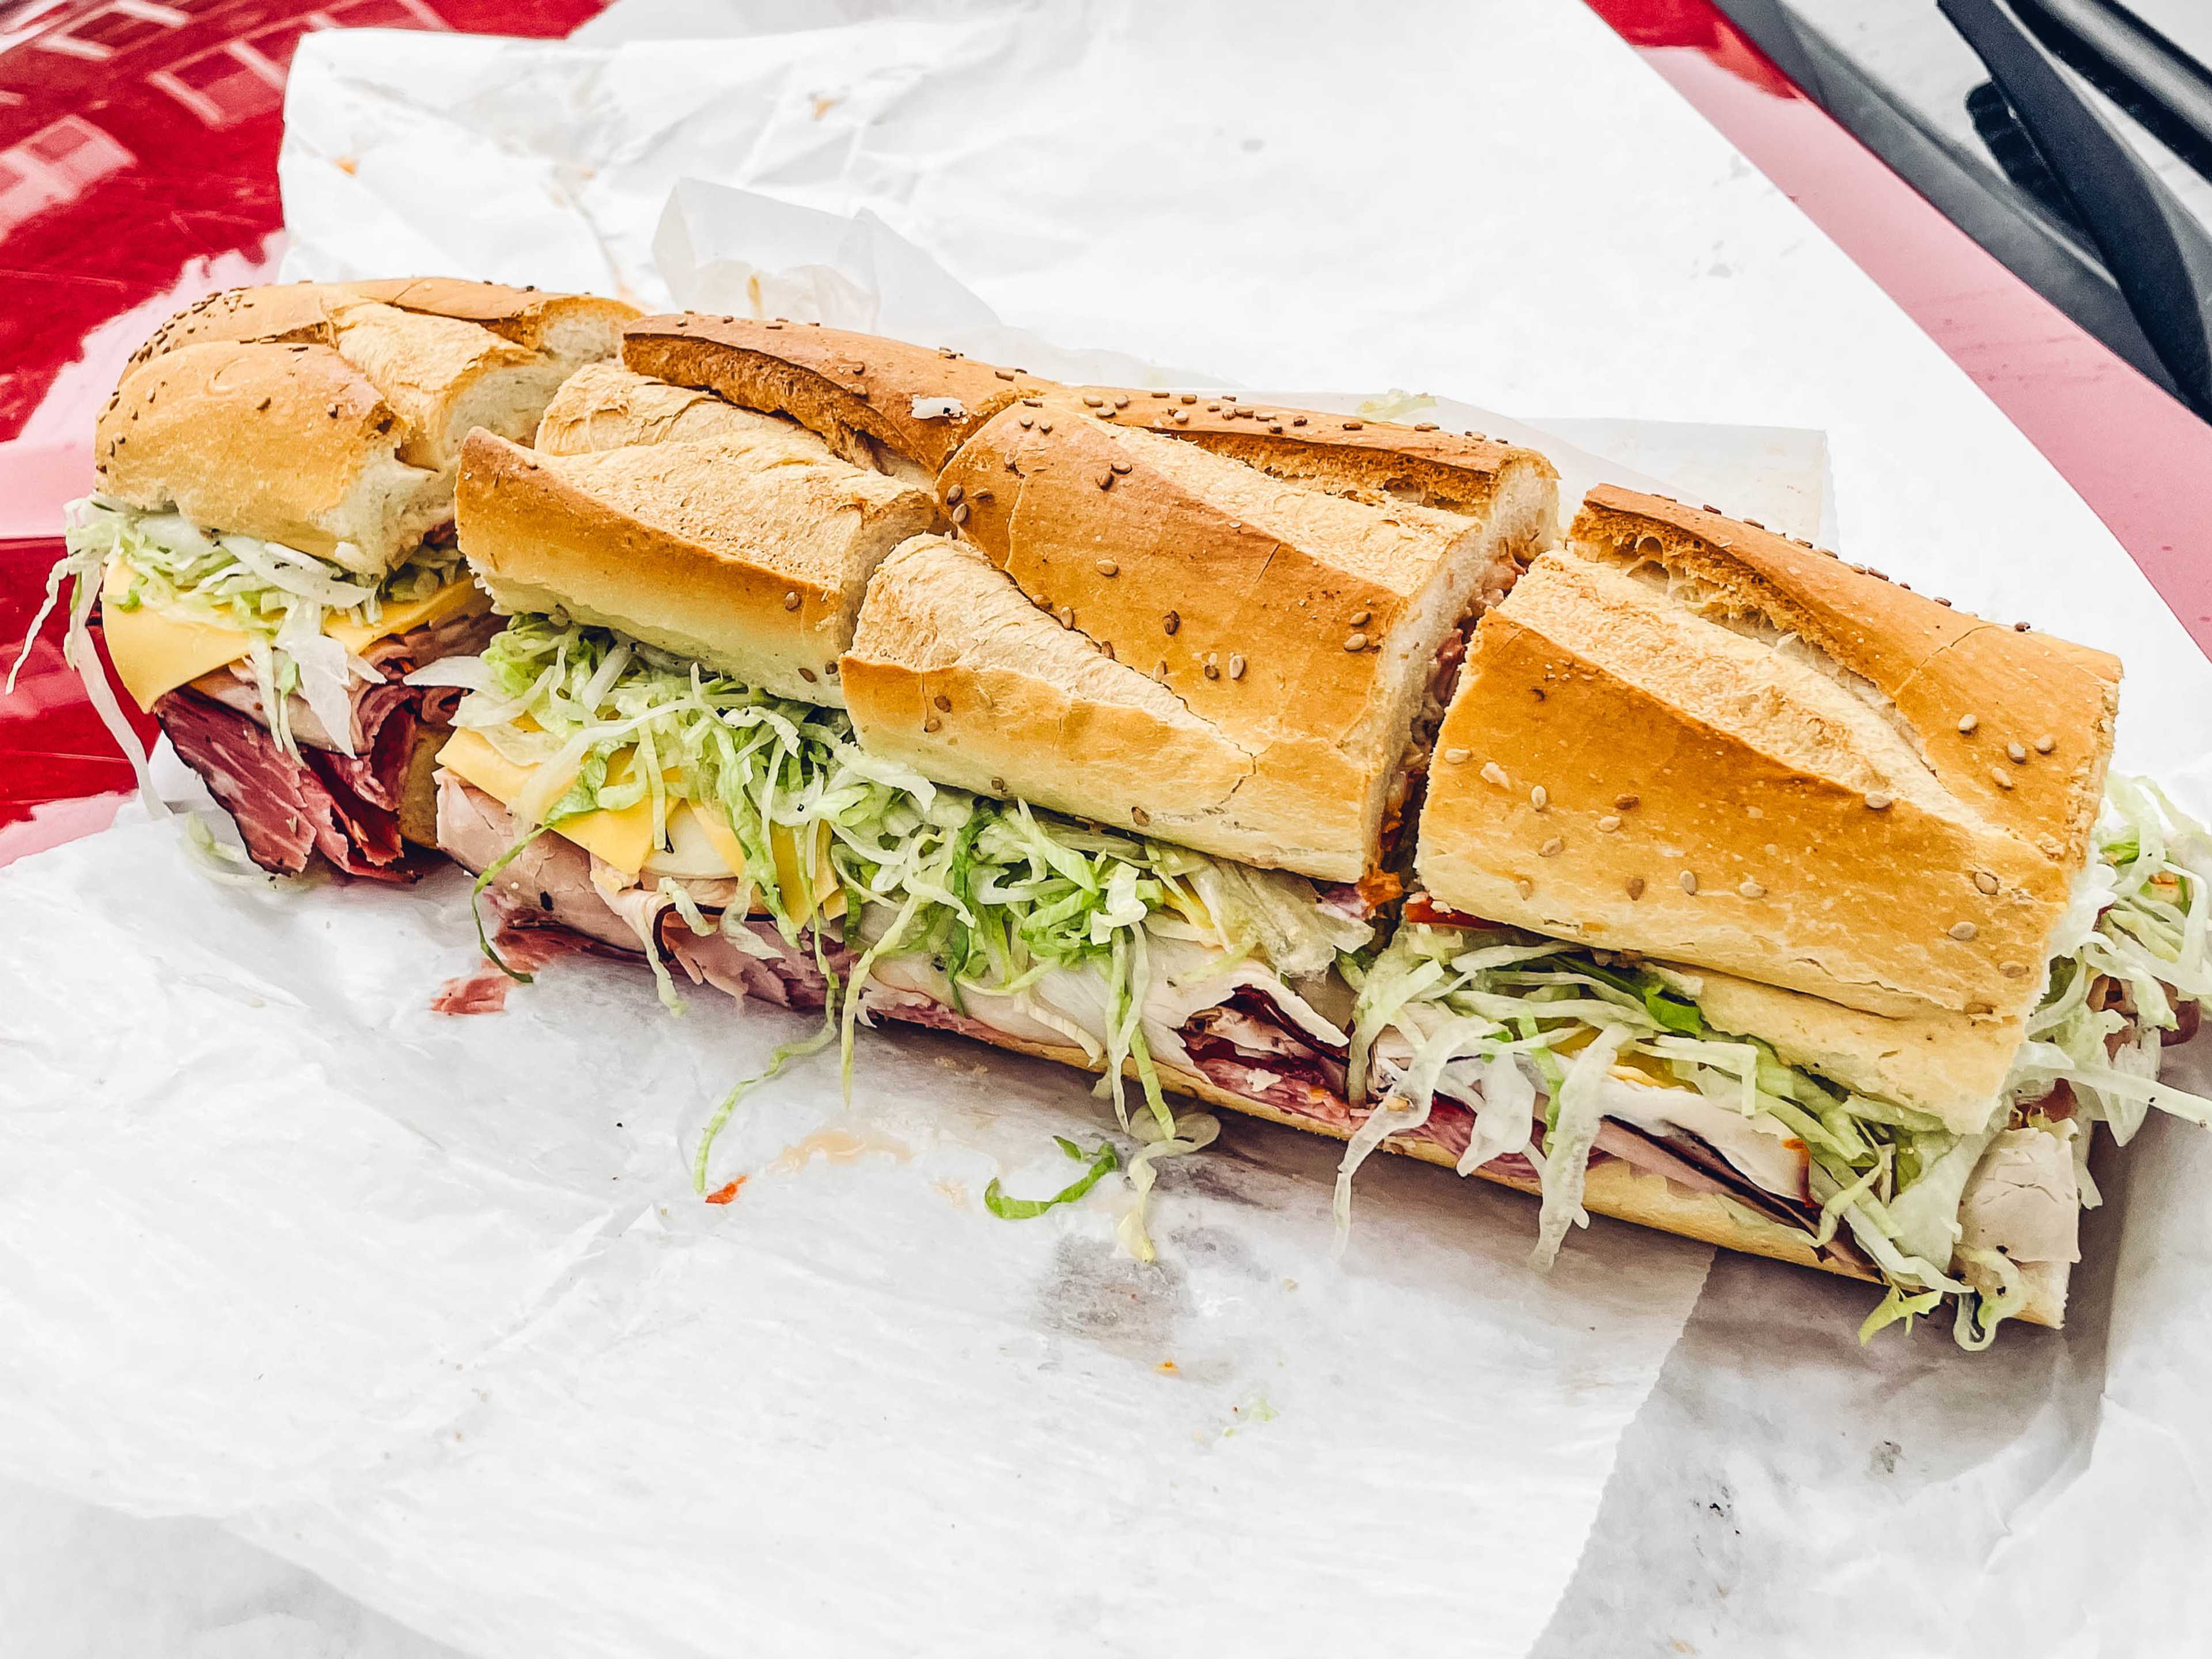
column 1192, row 908
column 692, row 823
column 622, row 838
column 715, row 822
column 704, row 828
column 455, row 598
column 154, row 653
column 826, row 893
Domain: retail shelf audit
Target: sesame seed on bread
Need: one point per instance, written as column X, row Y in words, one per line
column 1378, row 461
column 880, row 402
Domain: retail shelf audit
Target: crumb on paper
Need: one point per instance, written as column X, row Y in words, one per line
column 1250, row 1414
column 1168, row 1366
column 483, row 991
column 824, row 102
column 525, row 947
column 348, row 165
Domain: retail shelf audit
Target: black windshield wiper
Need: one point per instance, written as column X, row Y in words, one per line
column 2015, row 225
column 2160, row 86
column 2156, row 250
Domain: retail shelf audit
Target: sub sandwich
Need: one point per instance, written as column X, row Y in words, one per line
column 1089, row 751
column 1751, row 897
column 271, row 543
column 1767, row 901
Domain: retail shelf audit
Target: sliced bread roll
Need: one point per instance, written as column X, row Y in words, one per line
column 573, row 329
column 1691, row 738
column 607, row 406
column 1298, row 629
column 954, row 671
column 444, row 378
column 1378, row 461
column 755, row 570
column 291, row 444
column 330, row 416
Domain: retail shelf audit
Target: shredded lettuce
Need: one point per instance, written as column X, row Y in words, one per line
column 1894, row 1306
column 79, row 569
column 1194, row 1132
column 282, row 597
column 219, row 859
column 278, row 595
column 1979, row 1316
column 1393, row 1115
column 1566, row 1149
column 996, row 895
column 1102, row 1161
column 1271, row 914
column 784, row 1054
column 2139, row 918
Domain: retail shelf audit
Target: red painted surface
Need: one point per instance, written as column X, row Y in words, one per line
column 138, row 147
column 137, row 171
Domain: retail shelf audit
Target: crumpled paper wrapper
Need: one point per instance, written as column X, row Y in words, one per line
column 426, row 1305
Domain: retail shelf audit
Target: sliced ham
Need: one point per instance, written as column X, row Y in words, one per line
column 387, row 716
column 789, row 978
column 552, row 882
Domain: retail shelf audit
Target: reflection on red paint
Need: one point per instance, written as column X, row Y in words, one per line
column 1701, row 28
column 138, row 137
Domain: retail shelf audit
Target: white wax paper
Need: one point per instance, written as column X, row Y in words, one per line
column 426, row 1306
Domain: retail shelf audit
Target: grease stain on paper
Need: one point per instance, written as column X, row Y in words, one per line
column 1128, row 1308
column 839, row 1146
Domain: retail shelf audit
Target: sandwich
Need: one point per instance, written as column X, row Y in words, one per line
column 1764, row 901
column 270, row 543
column 1026, row 757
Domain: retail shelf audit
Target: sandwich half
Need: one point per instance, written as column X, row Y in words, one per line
column 270, row 542
column 1769, row 903
column 641, row 760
